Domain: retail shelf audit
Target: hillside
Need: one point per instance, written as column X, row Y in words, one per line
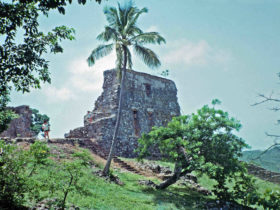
column 269, row 160
column 129, row 192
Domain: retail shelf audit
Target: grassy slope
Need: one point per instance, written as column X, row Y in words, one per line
column 104, row 195
column 134, row 196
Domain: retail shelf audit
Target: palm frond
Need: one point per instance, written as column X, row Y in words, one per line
column 125, row 12
column 148, row 38
column 132, row 19
column 147, row 55
column 132, row 31
column 112, row 17
column 109, row 34
column 99, row 52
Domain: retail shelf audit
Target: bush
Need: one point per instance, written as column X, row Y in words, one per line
column 13, row 178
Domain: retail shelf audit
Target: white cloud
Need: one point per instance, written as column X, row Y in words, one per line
column 194, row 53
column 54, row 94
column 85, row 78
column 82, row 79
column 152, row 29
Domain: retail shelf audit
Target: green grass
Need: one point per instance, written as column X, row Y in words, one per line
column 131, row 195
column 101, row 194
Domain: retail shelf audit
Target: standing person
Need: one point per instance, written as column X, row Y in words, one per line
column 46, row 129
column 88, row 118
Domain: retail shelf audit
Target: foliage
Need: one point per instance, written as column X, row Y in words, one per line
column 37, row 121
column 23, row 46
column 203, row 142
column 67, row 175
column 38, row 154
column 17, row 167
column 165, row 73
column 51, row 180
column 270, row 199
column 122, row 32
column 13, row 179
column 21, row 177
column 6, row 115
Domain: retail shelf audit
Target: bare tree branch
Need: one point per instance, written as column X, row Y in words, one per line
column 265, row 151
column 272, row 135
column 266, row 99
column 275, row 109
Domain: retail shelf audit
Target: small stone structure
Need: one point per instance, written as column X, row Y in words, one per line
column 148, row 101
column 19, row 127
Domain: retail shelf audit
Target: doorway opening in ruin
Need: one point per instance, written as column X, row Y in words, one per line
column 151, row 121
column 148, row 89
column 136, row 123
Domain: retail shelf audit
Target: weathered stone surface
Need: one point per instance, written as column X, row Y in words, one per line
column 20, row 127
column 148, row 101
column 264, row 174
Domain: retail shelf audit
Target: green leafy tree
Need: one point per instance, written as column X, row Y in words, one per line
column 26, row 175
column 23, row 46
column 37, row 121
column 38, row 154
column 13, row 179
column 66, row 175
column 122, row 33
column 270, row 200
column 204, row 142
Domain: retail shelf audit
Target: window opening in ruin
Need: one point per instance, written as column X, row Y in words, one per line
column 136, row 123
column 148, row 89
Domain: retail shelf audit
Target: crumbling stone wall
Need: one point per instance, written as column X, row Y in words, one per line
column 148, row 101
column 20, row 127
column 264, row 174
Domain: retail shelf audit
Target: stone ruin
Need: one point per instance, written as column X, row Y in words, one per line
column 19, row 127
column 148, row 101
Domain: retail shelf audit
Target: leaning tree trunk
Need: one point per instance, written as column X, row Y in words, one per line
column 116, row 131
column 183, row 163
column 173, row 178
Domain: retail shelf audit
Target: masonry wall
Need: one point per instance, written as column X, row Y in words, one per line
column 19, row 127
column 148, row 101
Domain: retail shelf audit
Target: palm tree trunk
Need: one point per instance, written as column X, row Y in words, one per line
column 114, row 140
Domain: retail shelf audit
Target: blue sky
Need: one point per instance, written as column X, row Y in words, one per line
column 225, row 49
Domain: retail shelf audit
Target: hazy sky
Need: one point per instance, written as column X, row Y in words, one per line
column 225, row 49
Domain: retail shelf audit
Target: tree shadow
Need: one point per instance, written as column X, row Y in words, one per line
column 180, row 197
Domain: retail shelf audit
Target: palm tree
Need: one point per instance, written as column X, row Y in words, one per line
column 123, row 33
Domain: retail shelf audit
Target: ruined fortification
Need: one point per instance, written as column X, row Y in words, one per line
column 19, row 127
column 148, row 101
